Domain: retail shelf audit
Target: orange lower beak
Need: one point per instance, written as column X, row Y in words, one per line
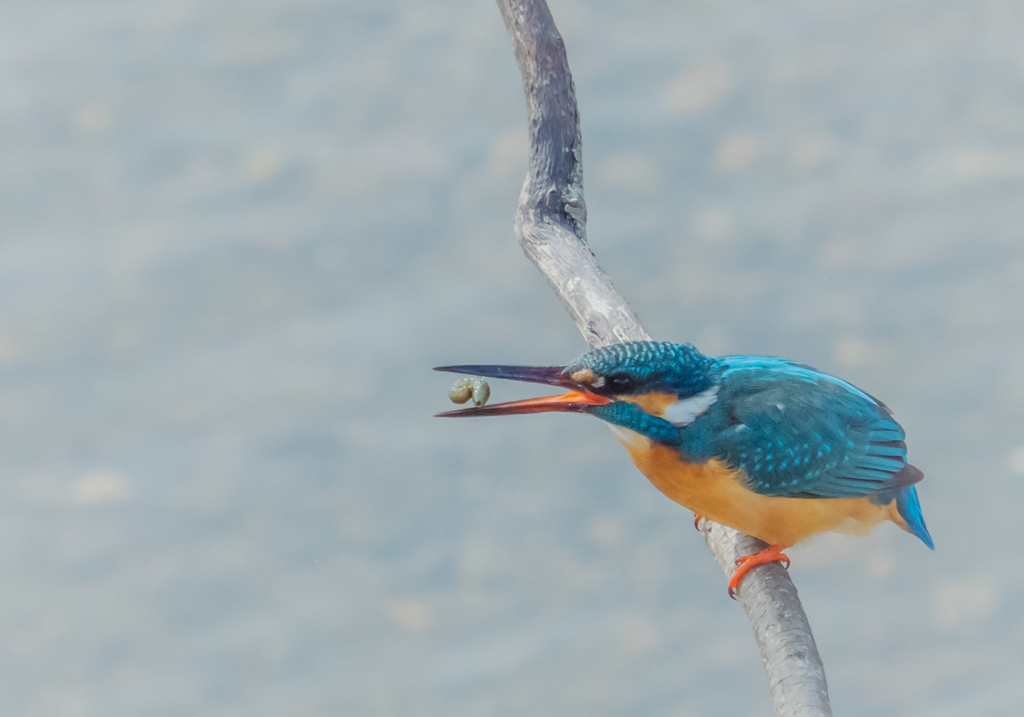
column 572, row 402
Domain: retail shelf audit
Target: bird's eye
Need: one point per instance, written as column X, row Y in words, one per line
column 620, row 383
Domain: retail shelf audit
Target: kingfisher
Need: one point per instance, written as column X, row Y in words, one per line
column 770, row 447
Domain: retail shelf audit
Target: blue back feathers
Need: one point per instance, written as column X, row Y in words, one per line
column 734, row 365
column 795, row 430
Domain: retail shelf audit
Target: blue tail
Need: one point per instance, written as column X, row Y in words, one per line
column 910, row 509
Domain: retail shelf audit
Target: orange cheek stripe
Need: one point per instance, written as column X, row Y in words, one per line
column 652, row 403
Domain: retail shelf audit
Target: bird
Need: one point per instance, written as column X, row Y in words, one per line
column 767, row 446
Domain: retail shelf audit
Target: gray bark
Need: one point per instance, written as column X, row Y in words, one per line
column 551, row 226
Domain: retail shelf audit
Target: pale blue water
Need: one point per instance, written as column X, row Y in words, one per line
column 235, row 236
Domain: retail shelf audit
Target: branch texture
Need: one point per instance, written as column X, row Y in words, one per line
column 551, row 226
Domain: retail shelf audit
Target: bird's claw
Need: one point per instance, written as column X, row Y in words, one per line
column 783, row 558
column 746, row 563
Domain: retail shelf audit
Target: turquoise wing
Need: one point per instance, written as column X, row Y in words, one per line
column 797, row 432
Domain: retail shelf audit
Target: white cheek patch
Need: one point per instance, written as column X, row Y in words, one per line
column 684, row 412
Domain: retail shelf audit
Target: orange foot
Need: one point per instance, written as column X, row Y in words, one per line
column 696, row 521
column 771, row 554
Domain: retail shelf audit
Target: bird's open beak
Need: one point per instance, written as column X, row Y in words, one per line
column 576, row 401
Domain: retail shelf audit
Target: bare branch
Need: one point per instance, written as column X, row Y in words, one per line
column 552, row 217
column 551, row 226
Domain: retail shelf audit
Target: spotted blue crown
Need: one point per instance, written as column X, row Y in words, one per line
column 656, row 366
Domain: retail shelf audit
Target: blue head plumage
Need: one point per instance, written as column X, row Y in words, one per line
column 640, row 367
column 670, row 373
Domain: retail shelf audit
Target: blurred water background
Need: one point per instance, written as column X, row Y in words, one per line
column 235, row 236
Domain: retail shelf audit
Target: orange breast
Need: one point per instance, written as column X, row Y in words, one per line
column 720, row 493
